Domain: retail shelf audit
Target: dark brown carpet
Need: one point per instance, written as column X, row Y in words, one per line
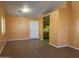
column 36, row 49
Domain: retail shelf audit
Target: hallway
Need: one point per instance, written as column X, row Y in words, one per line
column 36, row 49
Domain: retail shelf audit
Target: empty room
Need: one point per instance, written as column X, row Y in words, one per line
column 39, row 29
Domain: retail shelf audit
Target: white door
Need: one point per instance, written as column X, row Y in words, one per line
column 34, row 29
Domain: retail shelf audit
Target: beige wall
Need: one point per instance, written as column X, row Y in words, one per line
column 2, row 36
column 41, row 28
column 17, row 27
column 74, row 41
column 64, row 25
column 53, row 27
column 59, row 25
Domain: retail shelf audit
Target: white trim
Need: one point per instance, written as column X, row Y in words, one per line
column 2, row 47
column 41, row 39
column 17, row 39
column 74, row 47
column 53, row 45
column 59, row 46
column 64, row 46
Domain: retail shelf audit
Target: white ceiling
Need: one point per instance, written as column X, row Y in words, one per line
column 37, row 7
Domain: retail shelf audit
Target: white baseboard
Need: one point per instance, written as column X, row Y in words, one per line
column 53, row 45
column 74, row 47
column 41, row 39
column 2, row 47
column 64, row 46
column 17, row 39
column 59, row 46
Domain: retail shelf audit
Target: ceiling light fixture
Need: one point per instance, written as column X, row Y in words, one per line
column 25, row 10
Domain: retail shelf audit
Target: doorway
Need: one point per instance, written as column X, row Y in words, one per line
column 46, row 24
column 34, row 29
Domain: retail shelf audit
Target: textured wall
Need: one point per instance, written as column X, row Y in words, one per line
column 59, row 25
column 74, row 41
column 2, row 35
column 17, row 27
